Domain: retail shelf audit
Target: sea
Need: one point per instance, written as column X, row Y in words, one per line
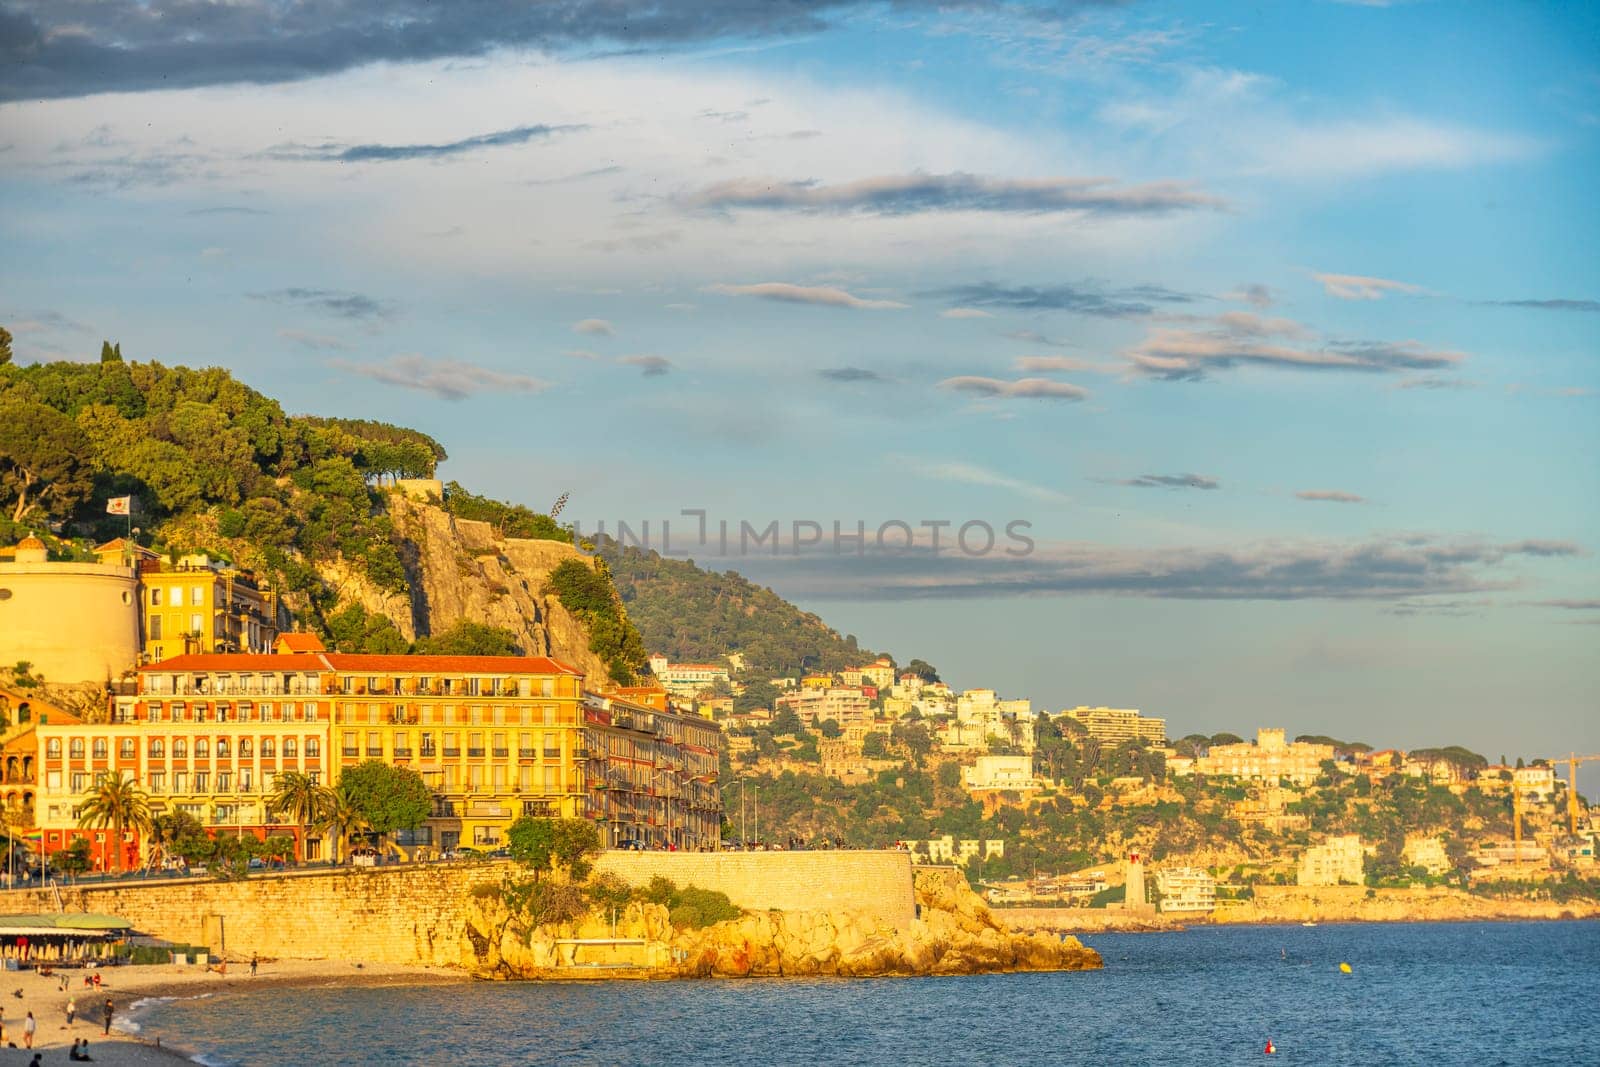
column 1482, row 994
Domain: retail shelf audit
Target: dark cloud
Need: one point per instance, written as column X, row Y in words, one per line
column 910, row 194
column 1549, row 305
column 1395, row 570
column 852, row 374
column 55, row 48
column 652, row 366
column 1330, row 496
column 334, row 152
column 1172, row 481
column 1083, row 299
column 447, row 379
column 331, row 301
column 1240, row 338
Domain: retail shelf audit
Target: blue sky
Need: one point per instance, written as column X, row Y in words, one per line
column 1277, row 323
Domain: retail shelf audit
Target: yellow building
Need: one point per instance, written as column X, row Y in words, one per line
column 198, row 607
column 494, row 737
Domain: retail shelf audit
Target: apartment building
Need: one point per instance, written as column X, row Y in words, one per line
column 495, row 738
column 1269, row 759
column 1337, row 861
column 201, row 606
column 1116, row 725
column 1186, row 889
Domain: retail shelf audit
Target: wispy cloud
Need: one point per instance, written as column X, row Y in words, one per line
column 337, row 152
column 907, row 194
column 226, row 209
column 1256, row 295
column 1548, row 305
column 1086, row 298
column 1033, row 337
column 1240, row 338
column 1360, row 287
column 788, row 293
column 1331, row 496
column 1435, row 382
column 45, row 322
column 1568, row 604
column 317, row 342
column 652, row 366
column 852, row 374
column 964, row 313
column 337, row 302
column 1384, row 570
column 447, row 379
column 1171, row 481
column 1022, row 388
column 973, row 474
column 594, row 328
column 1036, row 364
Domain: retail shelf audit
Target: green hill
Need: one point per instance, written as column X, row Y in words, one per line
column 694, row 615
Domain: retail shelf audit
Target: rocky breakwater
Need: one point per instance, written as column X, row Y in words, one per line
column 954, row 933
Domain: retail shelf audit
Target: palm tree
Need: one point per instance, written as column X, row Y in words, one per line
column 120, row 804
column 301, row 800
column 340, row 817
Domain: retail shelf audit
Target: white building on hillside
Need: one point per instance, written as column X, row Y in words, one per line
column 1188, row 889
column 1337, row 861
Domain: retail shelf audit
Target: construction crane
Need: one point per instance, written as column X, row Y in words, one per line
column 1572, row 760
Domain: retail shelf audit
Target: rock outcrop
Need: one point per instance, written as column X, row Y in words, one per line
column 460, row 569
column 954, row 933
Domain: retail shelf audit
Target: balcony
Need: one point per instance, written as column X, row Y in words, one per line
column 451, row 753
column 402, row 753
column 527, row 753
column 474, row 753
column 501, row 753
column 349, row 750
column 429, row 751
column 375, row 751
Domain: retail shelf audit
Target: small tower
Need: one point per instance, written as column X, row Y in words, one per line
column 1134, row 895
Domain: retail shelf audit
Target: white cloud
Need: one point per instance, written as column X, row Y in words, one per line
column 1022, row 388
column 804, row 294
column 594, row 328
column 964, row 313
column 1361, row 287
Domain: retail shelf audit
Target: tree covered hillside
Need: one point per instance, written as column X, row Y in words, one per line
column 695, row 615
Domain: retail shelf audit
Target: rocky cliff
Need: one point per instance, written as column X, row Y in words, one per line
column 459, row 569
column 954, row 933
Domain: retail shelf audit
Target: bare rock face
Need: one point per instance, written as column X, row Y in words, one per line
column 460, row 569
column 954, row 934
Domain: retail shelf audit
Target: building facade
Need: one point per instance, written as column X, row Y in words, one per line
column 1116, row 725
column 200, row 606
column 1269, row 759
column 1186, row 889
column 72, row 622
column 494, row 738
column 1337, row 861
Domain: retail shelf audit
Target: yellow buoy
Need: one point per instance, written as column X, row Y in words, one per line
column 1344, row 968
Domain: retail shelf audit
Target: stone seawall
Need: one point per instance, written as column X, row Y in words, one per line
column 878, row 882
column 418, row 915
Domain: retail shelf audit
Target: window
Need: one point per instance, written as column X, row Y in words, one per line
column 246, row 779
column 76, row 748
column 269, row 749
column 224, row 781
column 311, row 714
column 549, row 714
column 202, row 748
column 499, row 715
column 180, row 748
column 155, row 602
column 499, row 777
column 158, row 748
column 315, row 776
column 180, row 781
column 158, row 781
column 525, row 778
column 500, row 750
column 128, row 748
column 52, row 782
column 246, row 748
column 101, row 748
column 313, row 747
column 80, row 781
column 525, row 715
column 547, row 687
column 154, row 714
column 475, row 745
column 475, row 715
column 475, row 777
column 197, row 596
column 155, row 620
column 288, row 748
column 196, row 623
column 202, row 781
column 452, row 744
column 52, row 748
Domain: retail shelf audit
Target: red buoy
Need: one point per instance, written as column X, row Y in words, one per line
column 1271, row 1048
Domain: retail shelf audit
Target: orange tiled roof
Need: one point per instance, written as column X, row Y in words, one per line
column 339, row 661
column 300, row 642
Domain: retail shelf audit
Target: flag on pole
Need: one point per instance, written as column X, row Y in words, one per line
column 119, row 505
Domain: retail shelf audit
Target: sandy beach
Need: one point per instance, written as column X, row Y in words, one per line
column 43, row 996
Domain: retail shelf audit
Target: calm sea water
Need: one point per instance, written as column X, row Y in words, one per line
column 1479, row 993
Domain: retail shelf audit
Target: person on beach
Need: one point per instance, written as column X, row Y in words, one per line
column 110, row 1010
column 28, row 1028
column 80, row 1052
column 253, row 961
column 72, row 1012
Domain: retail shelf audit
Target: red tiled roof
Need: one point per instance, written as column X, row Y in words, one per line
column 339, row 661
